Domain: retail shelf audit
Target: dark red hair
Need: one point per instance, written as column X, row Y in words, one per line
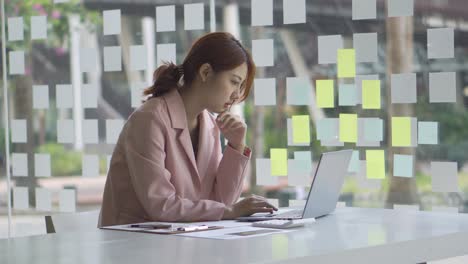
column 219, row 49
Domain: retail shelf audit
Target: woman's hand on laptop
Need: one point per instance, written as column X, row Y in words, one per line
column 248, row 206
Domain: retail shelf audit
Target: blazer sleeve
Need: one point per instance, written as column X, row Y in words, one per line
column 230, row 175
column 145, row 154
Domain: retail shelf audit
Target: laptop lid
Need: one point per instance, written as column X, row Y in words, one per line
column 327, row 183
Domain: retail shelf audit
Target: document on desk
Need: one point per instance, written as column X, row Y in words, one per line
column 235, row 233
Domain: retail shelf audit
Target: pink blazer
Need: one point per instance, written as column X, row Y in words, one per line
column 154, row 176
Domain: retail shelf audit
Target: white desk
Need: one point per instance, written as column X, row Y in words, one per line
column 349, row 235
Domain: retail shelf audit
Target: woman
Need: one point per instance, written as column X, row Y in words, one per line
column 167, row 164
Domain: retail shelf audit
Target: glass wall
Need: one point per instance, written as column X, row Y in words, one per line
column 385, row 78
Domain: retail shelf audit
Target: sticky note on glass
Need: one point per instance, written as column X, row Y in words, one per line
column 347, row 95
column 65, row 131
column 263, row 173
column 138, row 58
column 265, row 91
column 375, row 164
column 400, row 8
column 166, row 53
column 165, row 18
column 67, row 200
column 38, row 27
column 325, row 95
column 90, row 131
column 263, row 52
column 16, row 59
column 373, row 129
column 364, row 9
column 42, row 165
column 112, row 59
column 15, row 28
column 19, row 129
column 428, row 133
column 371, row 94
column 401, row 132
column 365, row 45
column 194, row 16
column 346, row 63
column 372, row 136
column 262, row 12
column 88, row 60
column 40, row 96
column 327, row 48
column 111, row 21
column 403, row 165
column 298, row 91
column 19, row 163
column 301, row 129
column 442, row 87
column 113, row 128
column 89, row 95
column 20, row 198
column 279, row 162
column 353, row 165
column 440, row 43
column 444, row 176
column 327, row 129
column 43, row 199
column 137, row 93
column 294, row 11
column 403, row 88
column 90, row 165
column 348, row 128
column 297, row 175
column 64, row 96
column 358, row 81
column 290, row 134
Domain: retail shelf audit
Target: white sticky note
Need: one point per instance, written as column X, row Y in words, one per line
column 265, row 91
column 444, row 209
column 294, row 11
column 20, row 198
column 90, row 165
column 38, row 27
column 262, row 12
column 194, row 16
column 328, row 47
column 112, row 59
column 138, row 58
column 440, row 43
column 64, row 96
column 112, row 23
column 442, row 87
column 263, row 52
column 406, row 207
column 290, row 134
column 327, row 129
column 43, row 199
column 365, row 45
column 67, row 200
column 358, row 82
column 40, row 96
column 16, row 59
column 19, row 163
column 65, row 131
column 165, row 18
column 263, row 173
column 400, row 8
column 354, row 163
column 298, row 91
column 297, row 174
column 42, row 165
column 19, row 131
column 15, row 28
column 166, row 53
column 428, row 133
column 374, row 129
column 90, row 131
column 88, row 60
column 403, row 165
column 136, row 91
column 89, row 96
column 347, row 95
column 403, row 88
column 364, row 9
column 444, row 176
column 113, row 128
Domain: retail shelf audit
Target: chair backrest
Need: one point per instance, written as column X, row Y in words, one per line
column 72, row 222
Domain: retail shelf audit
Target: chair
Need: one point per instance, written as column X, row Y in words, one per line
column 83, row 221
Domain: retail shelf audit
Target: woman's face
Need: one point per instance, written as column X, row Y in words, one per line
column 224, row 88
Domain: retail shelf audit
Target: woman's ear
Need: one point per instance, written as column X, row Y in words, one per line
column 205, row 71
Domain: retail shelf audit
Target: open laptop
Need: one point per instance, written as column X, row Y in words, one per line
column 324, row 190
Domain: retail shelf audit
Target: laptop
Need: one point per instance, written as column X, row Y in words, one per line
column 324, row 190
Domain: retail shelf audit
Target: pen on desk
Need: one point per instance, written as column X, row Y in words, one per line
column 153, row 226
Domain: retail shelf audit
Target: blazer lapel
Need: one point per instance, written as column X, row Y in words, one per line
column 205, row 143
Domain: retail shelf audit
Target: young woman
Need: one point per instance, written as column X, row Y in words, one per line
column 167, row 164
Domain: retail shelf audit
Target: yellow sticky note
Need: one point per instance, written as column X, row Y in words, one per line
column 346, row 60
column 279, row 162
column 371, row 94
column 348, row 128
column 375, row 164
column 401, row 131
column 301, row 129
column 325, row 93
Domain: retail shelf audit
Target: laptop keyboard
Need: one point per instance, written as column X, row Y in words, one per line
column 290, row 214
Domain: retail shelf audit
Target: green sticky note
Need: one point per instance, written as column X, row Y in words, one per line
column 371, row 94
column 301, row 129
column 375, row 164
column 325, row 93
column 348, row 128
column 279, row 162
column 401, row 131
column 346, row 60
